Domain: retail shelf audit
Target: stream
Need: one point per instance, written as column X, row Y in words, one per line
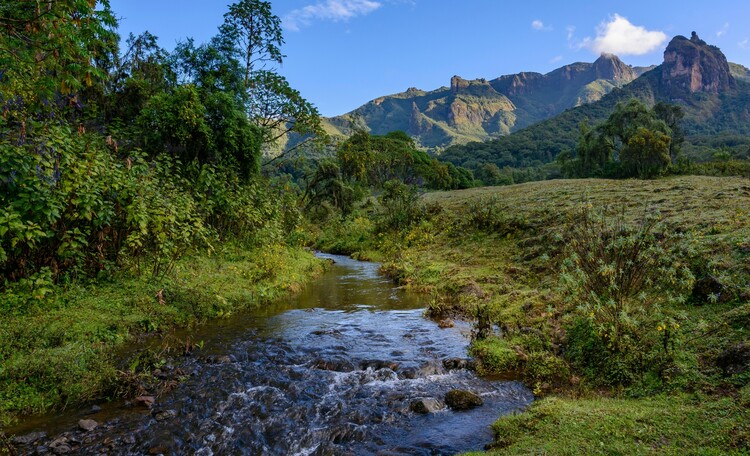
column 330, row 371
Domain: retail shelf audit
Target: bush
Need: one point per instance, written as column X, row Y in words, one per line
column 400, row 205
column 495, row 355
column 619, row 276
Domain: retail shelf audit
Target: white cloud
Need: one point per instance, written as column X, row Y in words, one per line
column 619, row 36
column 328, row 10
column 723, row 30
column 571, row 31
column 556, row 59
column 536, row 24
column 743, row 44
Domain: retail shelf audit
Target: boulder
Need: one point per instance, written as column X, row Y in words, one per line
column 425, row 405
column 462, row 400
column 446, row 323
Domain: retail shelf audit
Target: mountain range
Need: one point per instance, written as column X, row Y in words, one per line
column 527, row 119
column 714, row 95
column 480, row 109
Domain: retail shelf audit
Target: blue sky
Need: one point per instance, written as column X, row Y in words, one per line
column 343, row 53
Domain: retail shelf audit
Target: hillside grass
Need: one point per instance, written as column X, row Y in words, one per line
column 66, row 350
column 496, row 256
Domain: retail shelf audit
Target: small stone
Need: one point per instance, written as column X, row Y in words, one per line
column 158, row 449
column 61, row 449
column 425, row 405
column 87, row 425
column 58, row 442
column 29, row 438
column 165, row 415
column 145, row 401
column 446, row 323
column 462, row 400
column 95, row 409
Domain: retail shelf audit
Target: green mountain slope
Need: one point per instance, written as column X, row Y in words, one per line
column 714, row 95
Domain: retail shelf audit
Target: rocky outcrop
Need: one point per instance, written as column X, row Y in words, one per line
column 609, row 66
column 691, row 65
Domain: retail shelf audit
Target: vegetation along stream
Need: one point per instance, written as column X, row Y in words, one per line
column 342, row 368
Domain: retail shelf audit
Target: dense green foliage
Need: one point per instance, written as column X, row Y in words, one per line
column 365, row 163
column 125, row 169
column 633, row 142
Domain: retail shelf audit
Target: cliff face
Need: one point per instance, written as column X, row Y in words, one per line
column 477, row 110
column 691, row 65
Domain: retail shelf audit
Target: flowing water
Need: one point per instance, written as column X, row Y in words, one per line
column 332, row 371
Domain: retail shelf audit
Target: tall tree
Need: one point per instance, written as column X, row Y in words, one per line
column 251, row 35
column 253, row 32
column 672, row 115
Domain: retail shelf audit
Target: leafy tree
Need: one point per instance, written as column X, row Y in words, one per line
column 647, row 152
column 672, row 116
column 251, row 38
column 279, row 109
column 633, row 141
column 253, row 33
column 175, row 122
column 143, row 71
column 327, row 186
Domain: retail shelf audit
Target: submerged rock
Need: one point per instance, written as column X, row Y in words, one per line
column 165, row 415
column 335, row 365
column 145, row 401
column 462, row 400
column 377, row 364
column 459, row 363
column 425, row 405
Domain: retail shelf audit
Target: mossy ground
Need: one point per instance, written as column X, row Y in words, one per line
column 494, row 254
column 62, row 352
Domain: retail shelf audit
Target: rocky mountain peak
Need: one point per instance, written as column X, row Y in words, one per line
column 458, row 83
column 609, row 66
column 691, row 65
